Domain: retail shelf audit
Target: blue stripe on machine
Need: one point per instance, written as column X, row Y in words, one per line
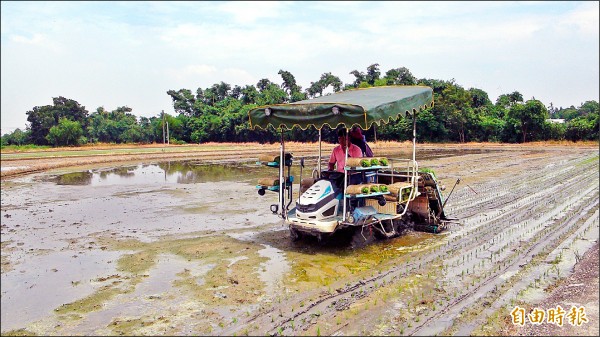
column 327, row 191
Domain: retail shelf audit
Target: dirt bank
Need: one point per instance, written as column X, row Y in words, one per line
column 20, row 163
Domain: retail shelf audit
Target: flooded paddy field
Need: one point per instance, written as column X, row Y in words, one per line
column 188, row 247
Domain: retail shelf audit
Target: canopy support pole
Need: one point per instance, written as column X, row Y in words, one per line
column 345, row 175
column 319, row 161
column 281, row 176
column 415, row 168
column 414, row 137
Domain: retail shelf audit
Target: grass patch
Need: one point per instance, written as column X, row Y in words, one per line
column 128, row 327
column 19, row 332
column 93, row 302
column 137, row 263
column 24, row 148
column 592, row 160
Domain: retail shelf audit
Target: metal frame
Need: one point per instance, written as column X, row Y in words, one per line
column 412, row 169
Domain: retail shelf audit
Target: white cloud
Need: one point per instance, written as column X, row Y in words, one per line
column 36, row 43
column 584, row 17
column 190, row 71
column 239, row 77
column 245, row 12
column 36, row 39
column 129, row 53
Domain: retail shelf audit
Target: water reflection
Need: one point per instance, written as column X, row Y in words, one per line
column 123, row 172
column 175, row 172
column 75, row 178
column 189, row 172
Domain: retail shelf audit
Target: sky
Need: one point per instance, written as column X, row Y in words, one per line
column 114, row 54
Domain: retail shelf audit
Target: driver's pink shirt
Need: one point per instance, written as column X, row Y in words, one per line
column 339, row 156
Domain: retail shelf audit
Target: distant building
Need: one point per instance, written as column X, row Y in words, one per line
column 556, row 120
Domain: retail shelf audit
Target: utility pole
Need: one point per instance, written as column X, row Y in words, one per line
column 168, row 132
column 163, row 124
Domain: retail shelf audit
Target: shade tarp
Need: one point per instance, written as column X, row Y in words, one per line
column 361, row 107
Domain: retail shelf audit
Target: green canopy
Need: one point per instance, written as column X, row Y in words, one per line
column 362, row 107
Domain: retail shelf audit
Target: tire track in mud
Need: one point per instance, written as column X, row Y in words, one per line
column 506, row 222
column 511, row 206
column 534, row 271
column 517, row 208
column 556, row 234
column 527, row 209
column 529, row 205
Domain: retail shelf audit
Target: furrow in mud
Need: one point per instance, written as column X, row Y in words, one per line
column 483, row 246
column 556, row 234
column 523, row 215
column 538, row 269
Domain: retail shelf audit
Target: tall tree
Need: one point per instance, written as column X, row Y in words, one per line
column 66, row 132
column 289, row 84
column 183, row 101
column 479, row 98
column 529, row 116
column 456, row 102
column 263, row 84
column 43, row 118
column 210, row 96
column 289, row 81
column 327, row 79
column 589, row 107
column 359, row 78
column 221, row 90
column 315, row 88
column 17, row 137
column 249, row 94
column 372, row 73
column 69, row 109
column 272, row 94
column 515, row 97
column 236, row 92
column 577, row 129
column 400, row 76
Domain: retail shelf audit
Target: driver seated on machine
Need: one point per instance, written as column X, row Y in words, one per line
column 338, row 156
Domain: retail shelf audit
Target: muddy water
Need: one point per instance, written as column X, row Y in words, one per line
column 51, row 222
column 59, row 231
column 185, row 248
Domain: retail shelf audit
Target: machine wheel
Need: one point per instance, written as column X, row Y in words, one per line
column 404, row 224
column 389, row 228
column 295, row 235
column 431, row 224
column 361, row 239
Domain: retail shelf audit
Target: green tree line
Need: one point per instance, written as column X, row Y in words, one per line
column 220, row 114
